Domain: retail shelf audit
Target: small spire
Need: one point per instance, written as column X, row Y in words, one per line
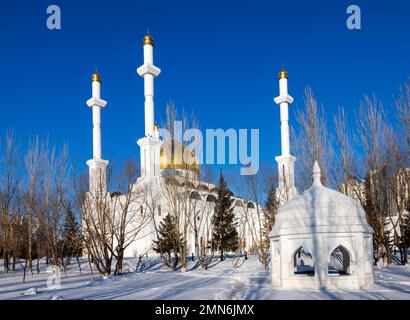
column 316, row 175
column 96, row 76
column 283, row 74
column 148, row 39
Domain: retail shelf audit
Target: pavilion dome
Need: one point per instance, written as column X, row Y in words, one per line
column 320, row 208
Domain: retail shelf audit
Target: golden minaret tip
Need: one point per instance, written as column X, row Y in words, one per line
column 96, row 77
column 148, row 40
column 283, row 74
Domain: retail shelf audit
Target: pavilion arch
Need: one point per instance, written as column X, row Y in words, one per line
column 340, row 260
column 194, row 196
column 303, row 262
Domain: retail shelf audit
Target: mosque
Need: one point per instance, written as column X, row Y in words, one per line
column 167, row 168
column 320, row 239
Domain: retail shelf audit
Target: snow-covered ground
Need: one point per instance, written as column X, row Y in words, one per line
column 221, row 281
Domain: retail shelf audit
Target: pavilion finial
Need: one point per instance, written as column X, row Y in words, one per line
column 316, row 175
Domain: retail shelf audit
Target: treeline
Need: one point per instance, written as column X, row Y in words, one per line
column 37, row 214
column 47, row 211
column 365, row 153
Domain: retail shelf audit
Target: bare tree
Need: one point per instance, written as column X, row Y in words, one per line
column 96, row 210
column 344, row 166
column 130, row 219
column 402, row 104
column 112, row 222
column 55, row 171
column 258, row 221
column 401, row 190
column 375, row 136
column 9, row 179
column 32, row 162
column 202, row 222
column 179, row 202
column 311, row 140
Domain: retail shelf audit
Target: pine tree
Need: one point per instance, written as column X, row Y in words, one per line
column 71, row 244
column 405, row 242
column 271, row 208
column 225, row 236
column 168, row 242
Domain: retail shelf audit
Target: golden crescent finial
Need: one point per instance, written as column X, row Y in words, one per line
column 283, row 74
column 96, row 77
column 148, row 40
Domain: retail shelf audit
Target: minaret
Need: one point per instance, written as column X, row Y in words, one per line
column 97, row 166
column 286, row 162
column 150, row 144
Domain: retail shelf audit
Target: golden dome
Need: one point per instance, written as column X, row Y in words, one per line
column 96, row 77
column 148, row 40
column 174, row 155
column 283, row 74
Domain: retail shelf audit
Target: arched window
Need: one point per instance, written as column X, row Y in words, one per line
column 194, row 196
column 211, row 198
column 238, row 203
column 159, row 210
column 202, row 187
column 171, row 181
column 250, row 205
column 339, row 263
column 303, row 262
column 116, row 194
column 188, row 185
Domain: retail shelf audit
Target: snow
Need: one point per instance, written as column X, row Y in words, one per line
column 223, row 280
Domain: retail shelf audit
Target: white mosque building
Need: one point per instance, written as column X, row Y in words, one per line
column 320, row 239
column 165, row 171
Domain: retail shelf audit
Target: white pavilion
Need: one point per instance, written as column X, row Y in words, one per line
column 321, row 240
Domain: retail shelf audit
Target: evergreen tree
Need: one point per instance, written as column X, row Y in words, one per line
column 225, row 236
column 168, row 242
column 71, row 244
column 405, row 242
column 271, row 208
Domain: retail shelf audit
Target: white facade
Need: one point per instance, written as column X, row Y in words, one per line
column 321, row 239
column 199, row 206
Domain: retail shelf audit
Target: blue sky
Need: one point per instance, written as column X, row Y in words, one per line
column 219, row 59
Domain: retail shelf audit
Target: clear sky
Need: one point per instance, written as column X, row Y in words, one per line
column 219, row 59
